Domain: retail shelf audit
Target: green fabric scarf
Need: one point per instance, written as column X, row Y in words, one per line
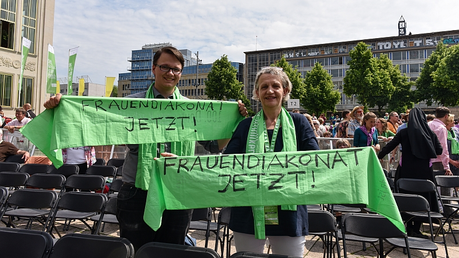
column 454, row 142
column 256, row 144
column 146, row 168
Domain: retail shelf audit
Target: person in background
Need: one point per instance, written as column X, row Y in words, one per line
column 342, row 126
column 294, row 133
column 366, row 135
column 453, row 143
column 356, row 115
column 8, row 149
column 383, row 134
column 392, row 123
column 386, row 116
column 19, row 122
column 84, row 157
column 342, row 144
column 311, row 123
column 438, row 126
column 419, row 144
column 316, row 127
column 29, row 113
column 430, row 118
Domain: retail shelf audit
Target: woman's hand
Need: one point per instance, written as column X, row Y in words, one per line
column 167, row 155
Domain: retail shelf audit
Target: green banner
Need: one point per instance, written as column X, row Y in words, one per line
column 25, row 52
column 344, row 176
column 72, row 57
column 90, row 121
column 51, row 74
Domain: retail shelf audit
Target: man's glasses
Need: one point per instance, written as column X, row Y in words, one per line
column 166, row 69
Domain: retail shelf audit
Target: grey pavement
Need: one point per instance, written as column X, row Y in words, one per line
column 313, row 244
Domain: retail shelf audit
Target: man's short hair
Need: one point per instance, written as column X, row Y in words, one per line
column 169, row 50
column 21, row 110
column 441, row 112
column 345, row 112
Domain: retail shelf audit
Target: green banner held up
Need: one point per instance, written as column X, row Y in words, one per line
column 51, row 74
column 90, row 121
column 344, row 176
column 72, row 58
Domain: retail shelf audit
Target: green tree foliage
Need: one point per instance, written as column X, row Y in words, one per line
column 320, row 96
column 446, row 79
column 403, row 96
column 114, row 91
column 294, row 75
column 222, row 83
column 359, row 78
column 424, row 84
column 381, row 84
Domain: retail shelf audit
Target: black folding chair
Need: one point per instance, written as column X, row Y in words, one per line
column 164, row 250
column 255, row 255
column 85, row 182
column 66, row 170
column 32, row 204
column 100, row 162
column 79, row 206
column 92, row 246
column 47, row 181
column 106, row 171
column 412, row 203
column 323, row 224
column 373, row 226
column 9, row 166
column 115, row 162
column 24, row 243
column 34, row 168
column 109, row 214
column 202, row 221
column 13, row 180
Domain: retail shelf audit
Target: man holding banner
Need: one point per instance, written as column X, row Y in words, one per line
column 167, row 67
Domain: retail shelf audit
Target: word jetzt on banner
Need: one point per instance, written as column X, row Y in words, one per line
column 91, row 121
column 344, row 176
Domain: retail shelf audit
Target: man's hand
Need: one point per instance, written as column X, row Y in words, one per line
column 242, row 109
column 448, row 172
column 53, row 101
column 454, row 163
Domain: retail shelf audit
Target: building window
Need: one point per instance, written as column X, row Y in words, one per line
column 7, row 20
column 400, row 55
column 416, row 54
column 5, row 89
column 29, row 25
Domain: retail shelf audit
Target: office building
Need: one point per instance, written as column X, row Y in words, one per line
column 34, row 20
column 408, row 51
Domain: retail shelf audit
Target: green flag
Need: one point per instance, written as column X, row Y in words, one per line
column 341, row 176
column 90, row 121
column 72, row 57
column 51, row 74
column 25, row 52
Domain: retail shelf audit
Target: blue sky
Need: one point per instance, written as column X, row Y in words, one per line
column 106, row 31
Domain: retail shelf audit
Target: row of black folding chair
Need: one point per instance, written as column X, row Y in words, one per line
column 452, row 183
column 9, row 166
column 40, row 245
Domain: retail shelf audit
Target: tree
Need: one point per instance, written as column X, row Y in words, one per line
column 359, row 78
column 446, row 78
column 319, row 93
column 381, row 86
column 222, row 83
column 114, row 91
column 403, row 97
column 424, row 83
column 294, row 75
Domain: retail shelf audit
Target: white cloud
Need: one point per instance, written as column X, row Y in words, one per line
column 107, row 31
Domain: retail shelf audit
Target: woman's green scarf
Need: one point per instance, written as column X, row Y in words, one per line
column 146, row 167
column 256, row 144
column 454, row 142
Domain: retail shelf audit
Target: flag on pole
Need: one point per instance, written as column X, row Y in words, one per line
column 51, row 74
column 58, row 87
column 81, row 87
column 25, row 52
column 109, row 85
column 72, row 58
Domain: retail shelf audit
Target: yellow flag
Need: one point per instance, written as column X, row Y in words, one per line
column 109, row 85
column 81, row 87
column 58, row 87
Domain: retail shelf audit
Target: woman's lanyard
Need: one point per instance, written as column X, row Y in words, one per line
column 269, row 146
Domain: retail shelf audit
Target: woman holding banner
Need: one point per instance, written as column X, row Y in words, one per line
column 273, row 129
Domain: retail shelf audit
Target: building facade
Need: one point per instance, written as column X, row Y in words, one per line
column 192, row 85
column 408, row 51
column 90, row 89
column 141, row 75
column 34, row 20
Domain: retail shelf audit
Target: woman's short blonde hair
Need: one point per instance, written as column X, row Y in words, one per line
column 286, row 84
column 450, row 118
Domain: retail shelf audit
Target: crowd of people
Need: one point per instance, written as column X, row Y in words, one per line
column 426, row 147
